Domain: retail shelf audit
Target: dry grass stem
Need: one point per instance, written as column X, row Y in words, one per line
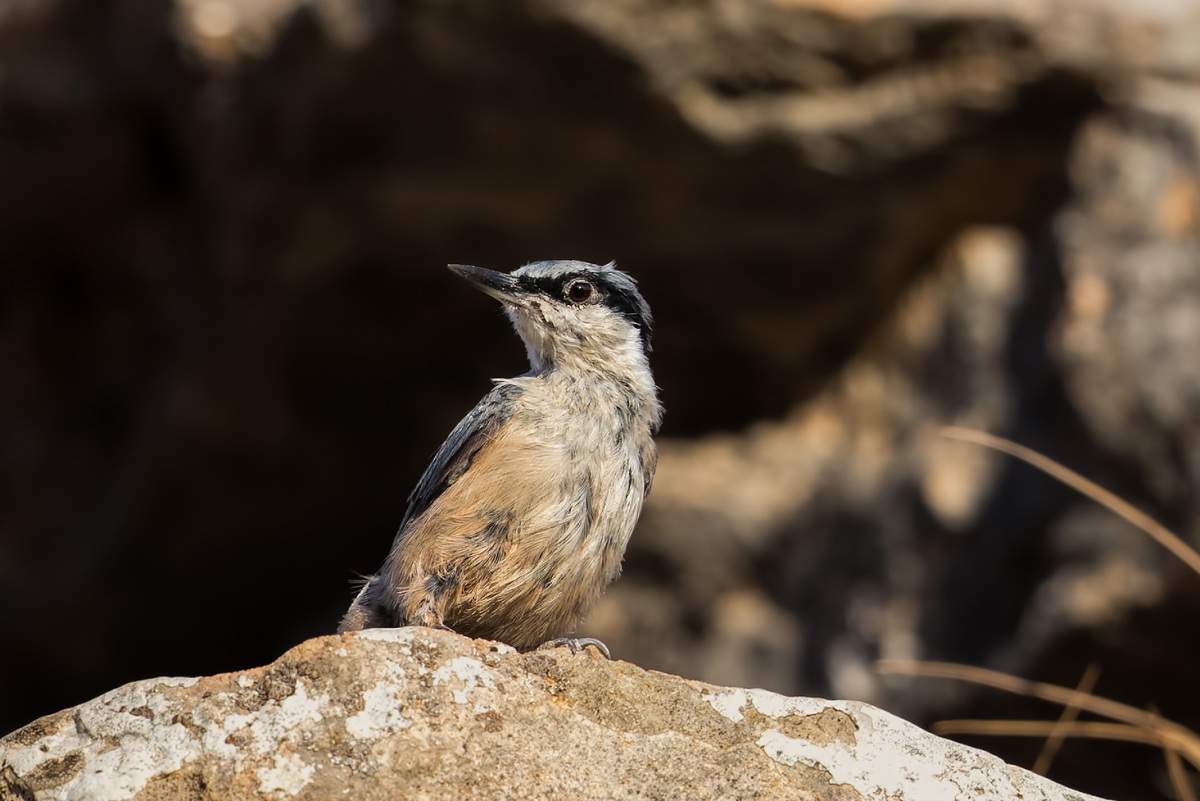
column 1156, row 530
column 1091, row 729
column 1070, row 713
column 1170, row 735
column 1095, row 730
column 1126, row 723
column 1179, row 777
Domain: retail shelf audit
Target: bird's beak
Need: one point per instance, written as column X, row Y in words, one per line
column 501, row 286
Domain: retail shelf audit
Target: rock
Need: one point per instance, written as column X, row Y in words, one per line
column 1131, row 243
column 415, row 713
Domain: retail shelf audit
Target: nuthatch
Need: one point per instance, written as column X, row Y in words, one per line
column 522, row 518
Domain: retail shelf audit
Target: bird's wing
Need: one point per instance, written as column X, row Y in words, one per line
column 454, row 457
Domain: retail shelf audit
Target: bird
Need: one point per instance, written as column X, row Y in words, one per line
column 522, row 518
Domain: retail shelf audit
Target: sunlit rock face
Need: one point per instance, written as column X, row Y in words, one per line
column 416, row 713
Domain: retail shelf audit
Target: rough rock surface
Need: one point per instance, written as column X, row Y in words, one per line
column 414, row 713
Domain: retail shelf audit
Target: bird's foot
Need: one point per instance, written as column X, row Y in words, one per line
column 576, row 644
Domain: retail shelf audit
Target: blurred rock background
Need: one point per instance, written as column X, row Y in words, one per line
column 228, row 345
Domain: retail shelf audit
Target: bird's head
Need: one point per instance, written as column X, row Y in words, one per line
column 572, row 314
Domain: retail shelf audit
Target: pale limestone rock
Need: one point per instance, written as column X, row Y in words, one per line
column 416, row 713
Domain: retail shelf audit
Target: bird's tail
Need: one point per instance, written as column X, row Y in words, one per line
column 365, row 612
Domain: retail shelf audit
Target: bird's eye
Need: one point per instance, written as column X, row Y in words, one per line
column 579, row 291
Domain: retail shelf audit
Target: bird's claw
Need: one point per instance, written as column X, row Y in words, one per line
column 576, row 644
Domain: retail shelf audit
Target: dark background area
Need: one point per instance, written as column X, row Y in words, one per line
column 228, row 343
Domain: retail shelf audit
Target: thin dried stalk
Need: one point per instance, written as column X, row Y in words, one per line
column 1178, row 737
column 1070, row 713
column 1090, row 729
column 1117, row 506
column 1095, row 730
column 1134, row 725
column 1179, row 777
column 1176, row 772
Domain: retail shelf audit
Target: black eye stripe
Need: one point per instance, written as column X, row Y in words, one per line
column 619, row 295
column 556, row 288
column 633, row 309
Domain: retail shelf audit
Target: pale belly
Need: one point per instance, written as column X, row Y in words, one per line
column 546, row 570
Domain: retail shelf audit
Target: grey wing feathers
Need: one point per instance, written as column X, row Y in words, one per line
column 455, row 455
